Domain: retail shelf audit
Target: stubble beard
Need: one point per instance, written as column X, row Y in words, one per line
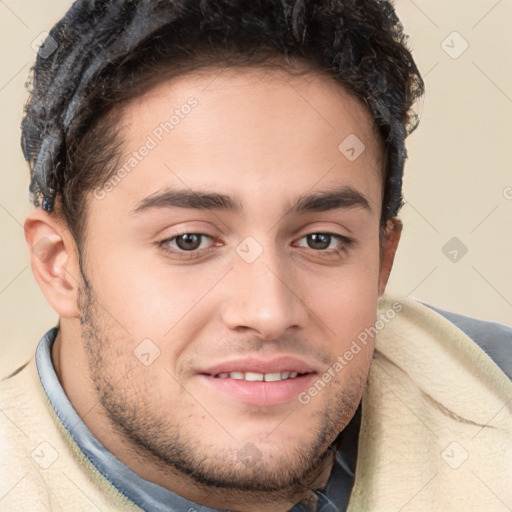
column 167, row 444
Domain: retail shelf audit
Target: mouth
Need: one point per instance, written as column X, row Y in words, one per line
column 254, row 381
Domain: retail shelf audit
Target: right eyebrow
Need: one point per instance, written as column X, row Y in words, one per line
column 189, row 199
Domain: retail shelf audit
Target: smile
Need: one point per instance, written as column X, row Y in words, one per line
column 258, row 377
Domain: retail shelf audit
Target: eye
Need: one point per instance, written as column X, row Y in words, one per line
column 324, row 241
column 186, row 242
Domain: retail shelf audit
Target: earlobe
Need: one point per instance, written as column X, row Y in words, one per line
column 389, row 246
column 53, row 259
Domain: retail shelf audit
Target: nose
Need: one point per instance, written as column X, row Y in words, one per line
column 264, row 297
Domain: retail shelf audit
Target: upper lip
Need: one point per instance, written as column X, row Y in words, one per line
column 260, row 365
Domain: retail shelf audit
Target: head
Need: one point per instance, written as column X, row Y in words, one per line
column 217, row 189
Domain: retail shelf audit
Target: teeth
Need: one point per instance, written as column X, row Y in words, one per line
column 254, row 377
column 258, row 377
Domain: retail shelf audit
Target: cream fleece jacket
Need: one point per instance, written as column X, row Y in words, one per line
column 436, row 431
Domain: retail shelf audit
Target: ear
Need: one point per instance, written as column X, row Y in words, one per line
column 54, row 261
column 389, row 246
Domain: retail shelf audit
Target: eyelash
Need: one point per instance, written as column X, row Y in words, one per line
column 346, row 245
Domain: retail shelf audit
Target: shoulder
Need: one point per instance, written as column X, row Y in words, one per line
column 41, row 466
column 19, row 483
column 493, row 338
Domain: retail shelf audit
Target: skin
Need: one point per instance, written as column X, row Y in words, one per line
column 264, row 138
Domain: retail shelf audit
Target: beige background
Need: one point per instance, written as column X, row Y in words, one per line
column 458, row 177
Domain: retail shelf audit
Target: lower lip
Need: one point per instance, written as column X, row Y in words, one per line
column 261, row 393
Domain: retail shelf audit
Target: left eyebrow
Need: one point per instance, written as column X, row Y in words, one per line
column 341, row 198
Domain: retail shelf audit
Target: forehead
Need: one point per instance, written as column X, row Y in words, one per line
column 240, row 130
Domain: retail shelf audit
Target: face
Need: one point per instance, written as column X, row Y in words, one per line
column 228, row 268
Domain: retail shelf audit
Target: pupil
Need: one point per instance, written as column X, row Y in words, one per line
column 319, row 240
column 188, row 241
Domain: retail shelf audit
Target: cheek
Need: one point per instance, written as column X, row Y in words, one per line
column 346, row 301
column 348, row 319
column 151, row 299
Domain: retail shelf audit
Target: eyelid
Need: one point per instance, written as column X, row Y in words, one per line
column 323, row 231
column 319, row 225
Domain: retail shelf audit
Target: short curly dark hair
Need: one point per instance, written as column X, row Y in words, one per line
column 109, row 51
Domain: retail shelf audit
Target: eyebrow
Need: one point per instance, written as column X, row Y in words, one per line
column 341, row 198
column 189, row 199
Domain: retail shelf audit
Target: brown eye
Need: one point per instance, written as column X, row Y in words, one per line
column 319, row 241
column 189, row 246
column 188, row 241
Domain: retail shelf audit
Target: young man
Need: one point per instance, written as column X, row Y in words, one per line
column 217, row 187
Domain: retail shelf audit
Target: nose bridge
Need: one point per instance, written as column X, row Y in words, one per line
column 264, row 295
